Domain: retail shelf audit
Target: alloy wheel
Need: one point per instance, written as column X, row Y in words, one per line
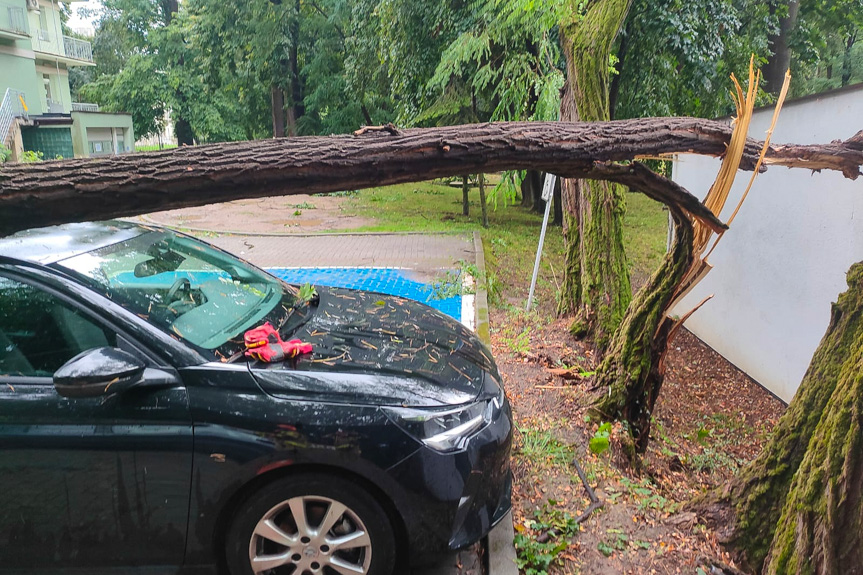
column 310, row 535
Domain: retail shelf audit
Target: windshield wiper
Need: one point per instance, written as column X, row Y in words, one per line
column 314, row 300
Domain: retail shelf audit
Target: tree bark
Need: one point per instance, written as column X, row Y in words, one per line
column 558, row 206
column 529, row 185
column 633, row 369
column 596, row 284
column 797, row 508
column 780, row 44
column 84, row 189
column 465, row 196
column 277, row 99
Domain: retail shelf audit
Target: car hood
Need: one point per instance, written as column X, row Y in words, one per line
column 375, row 348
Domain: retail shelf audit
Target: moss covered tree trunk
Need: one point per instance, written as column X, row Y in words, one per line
column 482, row 199
column 596, row 284
column 798, row 508
column 633, row 369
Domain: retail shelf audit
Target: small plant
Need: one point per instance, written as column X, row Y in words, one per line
column 5, row 154
column 519, row 344
column 600, row 441
column 298, row 213
column 543, row 448
column 540, row 541
column 30, row 157
column 617, row 540
column 307, row 292
column 305, row 206
column 343, row 194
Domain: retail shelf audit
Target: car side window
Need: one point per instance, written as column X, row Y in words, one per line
column 39, row 332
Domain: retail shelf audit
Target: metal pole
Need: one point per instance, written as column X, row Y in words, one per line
column 547, row 195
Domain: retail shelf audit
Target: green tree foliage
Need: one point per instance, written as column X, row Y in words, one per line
column 828, row 44
column 674, row 56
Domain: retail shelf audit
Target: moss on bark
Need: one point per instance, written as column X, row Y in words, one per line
column 596, row 280
column 798, row 505
column 633, row 369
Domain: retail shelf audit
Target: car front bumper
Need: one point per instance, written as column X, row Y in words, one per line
column 451, row 500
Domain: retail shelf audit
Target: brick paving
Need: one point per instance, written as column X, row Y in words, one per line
column 424, row 253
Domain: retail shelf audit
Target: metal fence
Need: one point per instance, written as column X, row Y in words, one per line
column 84, row 107
column 11, row 107
column 53, row 106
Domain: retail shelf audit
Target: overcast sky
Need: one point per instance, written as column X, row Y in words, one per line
column 76, row 22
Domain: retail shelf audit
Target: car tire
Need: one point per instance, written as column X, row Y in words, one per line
column 265, row 537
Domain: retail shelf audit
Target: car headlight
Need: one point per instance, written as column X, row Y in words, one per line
column 443, row 430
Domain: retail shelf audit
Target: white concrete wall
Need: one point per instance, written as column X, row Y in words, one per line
column 783, row 261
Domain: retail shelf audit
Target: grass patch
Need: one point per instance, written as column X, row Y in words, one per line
column 154, row 147
column 645, row 235
column 542, row 449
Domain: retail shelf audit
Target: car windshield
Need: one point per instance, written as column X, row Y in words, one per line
column 185, row 287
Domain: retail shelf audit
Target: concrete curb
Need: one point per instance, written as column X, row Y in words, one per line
column 148, row 220
column 499, row 543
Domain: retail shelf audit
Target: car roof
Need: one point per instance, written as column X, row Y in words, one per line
column 55, row 243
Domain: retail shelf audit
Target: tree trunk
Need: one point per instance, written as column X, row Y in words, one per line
column 558, row 206
column 847, row 66
column 277, row 98
column 465, row 196
column 482, row 201
column 797, row 508
column 184, row 133
column 182, row 126
column 297, row 109
column 528, row 188
column 84, row 189
column 632, row 370
column 596, row 284
column 780, row 44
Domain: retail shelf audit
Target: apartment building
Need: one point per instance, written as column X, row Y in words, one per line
column 37, row 112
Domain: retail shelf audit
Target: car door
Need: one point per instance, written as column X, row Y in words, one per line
column 92, row 484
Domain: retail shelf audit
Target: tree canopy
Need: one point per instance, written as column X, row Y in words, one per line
column 254, row 69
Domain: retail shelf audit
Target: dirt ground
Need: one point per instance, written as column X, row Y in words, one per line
column 710, row 420
column 279, row 215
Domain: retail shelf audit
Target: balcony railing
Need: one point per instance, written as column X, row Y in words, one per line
column 53, row 107
column 12, row 106
column 84, row 107
column 15, row 21
column 78, row 49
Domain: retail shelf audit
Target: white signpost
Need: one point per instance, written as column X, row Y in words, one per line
column 547, row 195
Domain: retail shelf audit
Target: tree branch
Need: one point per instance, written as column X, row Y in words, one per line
column 33, row 195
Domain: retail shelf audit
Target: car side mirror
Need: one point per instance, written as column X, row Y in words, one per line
column 98, row 372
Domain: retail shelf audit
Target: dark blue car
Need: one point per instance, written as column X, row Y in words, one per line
column 135, row 434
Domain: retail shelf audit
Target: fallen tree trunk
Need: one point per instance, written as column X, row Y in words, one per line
column 47, row 193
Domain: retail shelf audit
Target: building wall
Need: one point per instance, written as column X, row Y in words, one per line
column 783, row 262
column 97, row 123
column 58, row 77
column 47, row 19
column 19, row 73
